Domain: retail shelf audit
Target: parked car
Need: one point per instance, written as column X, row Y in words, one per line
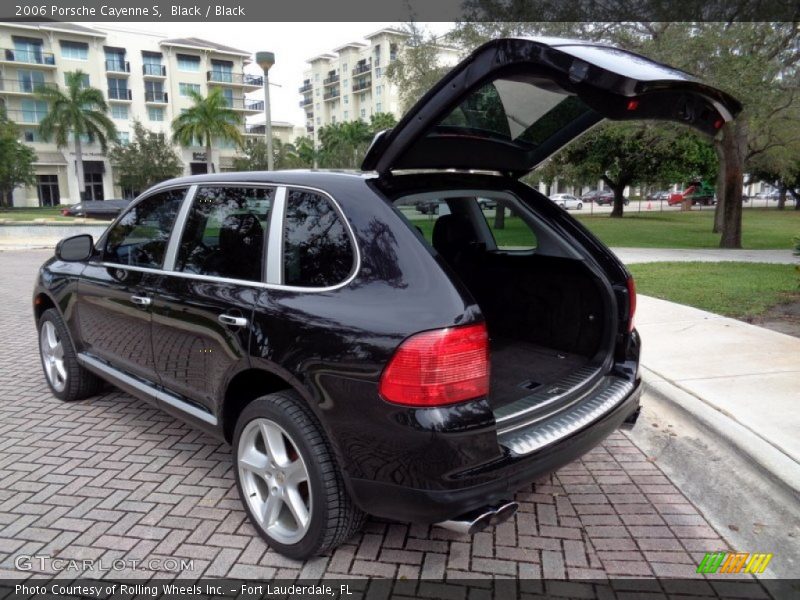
column 354, row 367
column 769, row 195
column 608, row 200
column 96, row 209
column 659, row 196
column 487, row 204
column 595, row 195
column 567, row 201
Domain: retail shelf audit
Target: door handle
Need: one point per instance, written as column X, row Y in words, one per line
column 233, row 321
column 141, row 300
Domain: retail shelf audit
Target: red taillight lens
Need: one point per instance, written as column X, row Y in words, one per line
column 439, row 367
column 631, row 301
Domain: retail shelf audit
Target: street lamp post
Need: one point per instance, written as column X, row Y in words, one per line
column 265, row 60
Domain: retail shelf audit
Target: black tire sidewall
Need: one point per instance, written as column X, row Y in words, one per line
column 264, row 407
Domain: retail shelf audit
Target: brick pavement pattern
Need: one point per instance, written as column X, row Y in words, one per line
column 113, row 477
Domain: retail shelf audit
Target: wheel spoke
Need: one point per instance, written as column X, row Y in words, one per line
column 52, row 374
column 62, row 372
column 272, row 510
column 275, row 443
column 295, row 473
column 297, row 506
column 58, row 352
column 52, row 339
column 254, row 461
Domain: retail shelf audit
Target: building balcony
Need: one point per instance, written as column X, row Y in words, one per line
column 331, row 95
column 306, row 102
column 330, row 80
column 154, row 71
column 26, row 117
column 363, row 84
column 310, row 128
column 234, row 79
column 362, row 69
column 23, row 88
column 156, row 97
column 118, row 66
column 306, row 87
column 244, row 104
column 32, row 58
column 120, row 95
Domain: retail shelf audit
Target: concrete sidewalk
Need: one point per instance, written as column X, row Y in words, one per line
column 748, row 376
column 649, row 255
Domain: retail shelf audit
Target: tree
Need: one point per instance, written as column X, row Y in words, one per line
column 78, row 112
column 755, row 61
column 208, row 119
column 343, row 145
column 146, row 160
column 285, row 156
column 16, row 160
column 624, row 154
column 417, row 68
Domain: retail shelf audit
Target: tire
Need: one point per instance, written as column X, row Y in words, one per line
column 297, row 442
column 580, row 205
column 67, row 379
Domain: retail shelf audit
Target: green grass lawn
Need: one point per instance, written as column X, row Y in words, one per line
column 734, row 289
column 761, row 229
column 32, row 213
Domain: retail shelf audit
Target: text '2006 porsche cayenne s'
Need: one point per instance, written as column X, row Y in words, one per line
column 362, row 359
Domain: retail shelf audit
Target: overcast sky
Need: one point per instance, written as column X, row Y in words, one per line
column 292, row 43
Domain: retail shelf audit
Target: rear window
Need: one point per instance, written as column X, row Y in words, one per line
column 317, row 250
column 511, row 110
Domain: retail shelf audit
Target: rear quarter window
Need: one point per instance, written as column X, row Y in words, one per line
column 317, row 249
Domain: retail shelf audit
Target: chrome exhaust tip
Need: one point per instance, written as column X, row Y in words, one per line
column 477, row 520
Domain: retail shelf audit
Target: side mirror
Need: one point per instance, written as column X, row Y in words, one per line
column 75, row 248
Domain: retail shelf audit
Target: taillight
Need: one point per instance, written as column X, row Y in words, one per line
column 631, row 301
column 439, row 367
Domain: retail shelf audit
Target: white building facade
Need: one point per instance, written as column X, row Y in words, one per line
column 143, row 76
column 350, row 83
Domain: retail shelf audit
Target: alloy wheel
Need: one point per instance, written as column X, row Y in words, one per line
column 274, row 480
column 52, row 350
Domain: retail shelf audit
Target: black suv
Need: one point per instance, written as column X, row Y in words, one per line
column 359, row 357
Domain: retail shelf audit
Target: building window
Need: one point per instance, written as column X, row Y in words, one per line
column 187, row 62
column 344, row 67
column 317, row 92
column 155, row 113
column 319, row 121
column 93, row 182
column 119, row 111
column 316, row 77
column 152, row 64
column 346, row 115
column 346, row 99
column 30, row 51
column 84, row 79
column 123, row 137
column 30, row 81
column 115, row 60
column 118, row 89
column 74, row 50
column 378, row 90
column 333, row 119
column 317, row 106
column 31, row 135
column 33, row 111
column 363, row 113
column 378, row 107
column 47, row 190
column 377, row 72
column 185, row 88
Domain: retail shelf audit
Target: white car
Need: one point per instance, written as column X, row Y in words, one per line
column 567, row 201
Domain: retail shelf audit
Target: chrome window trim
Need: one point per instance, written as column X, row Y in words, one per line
column 257, row 284
column 274, row 246
column 177, row 229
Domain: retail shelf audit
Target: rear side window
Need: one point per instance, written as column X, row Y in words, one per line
column 140, row 237
column 225, row 232
column 317, row 249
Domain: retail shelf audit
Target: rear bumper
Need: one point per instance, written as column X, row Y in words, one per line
column 509, row 475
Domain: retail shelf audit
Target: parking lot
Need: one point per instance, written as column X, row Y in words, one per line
column 114, row 478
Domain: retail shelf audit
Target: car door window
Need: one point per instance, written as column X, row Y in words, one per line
column 225, row 232
column 140, row 237
column 317, row 248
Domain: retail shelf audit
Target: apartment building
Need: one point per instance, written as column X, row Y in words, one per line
column 143, row 76
column 350, row 82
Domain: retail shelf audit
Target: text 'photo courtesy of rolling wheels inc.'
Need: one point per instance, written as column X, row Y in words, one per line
column 377, row 300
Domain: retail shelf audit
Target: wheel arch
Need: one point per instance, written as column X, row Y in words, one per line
column 42, row 302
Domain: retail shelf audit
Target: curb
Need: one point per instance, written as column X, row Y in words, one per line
column 770, row 461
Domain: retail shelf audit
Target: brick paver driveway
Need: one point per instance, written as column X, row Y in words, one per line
column 112, row 477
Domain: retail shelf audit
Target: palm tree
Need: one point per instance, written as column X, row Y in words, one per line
column 208, row 118
column 78, row 111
